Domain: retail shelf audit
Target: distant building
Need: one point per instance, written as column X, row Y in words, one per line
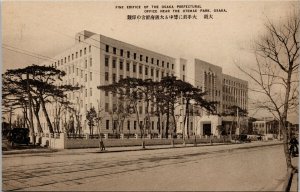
column 266, row 126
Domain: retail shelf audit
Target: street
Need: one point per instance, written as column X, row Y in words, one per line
column 205, row 168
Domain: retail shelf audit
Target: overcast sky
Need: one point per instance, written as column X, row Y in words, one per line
column 47, row 28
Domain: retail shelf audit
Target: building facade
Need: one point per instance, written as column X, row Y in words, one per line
column 224, row 89
column 99, row 60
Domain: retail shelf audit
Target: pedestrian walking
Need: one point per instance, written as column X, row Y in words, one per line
column 102, row 147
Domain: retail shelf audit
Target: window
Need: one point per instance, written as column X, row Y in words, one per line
column 85, row 92
column 128, row 54
column 152, row 125
column 73, row 56
column 141, row 110
column 76, row 71
column 134, row 125
column 58, row 63
column 69, row 58
column 76, row 55
column 140, row 69
column 134, row 56
column 73, row 68
column 107, row 124
column 81, row 75
column 106, row 107
column 62, row 61
column 146, row 59
column 127, row 67
column 65, row 60
column 84, row 51
column 146, row 70
column 128, row 125
column 121, row 52
column 134, row 68
column 163, row 64
column 114, row 63
column 162, row 74
column 157, row 62
column 183, row 67
column 157, row 73
column 106, row 76
column 121, row 65
column 106, row 93
column 90, row 48
column 152, row 71
column 106, row 61
column 141, row 57
column 91, row 76
column 85, row 77
column 91, row 93
column 106, row 48
column 91, row 62
column 183, row 77
column 114, row 50
column 114, row 77
column 85, row 63
column 168, row 65
column 152, row 60
column 172, row 66
column 80, row 54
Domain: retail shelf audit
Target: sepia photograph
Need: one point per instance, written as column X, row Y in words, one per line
column 150, row 95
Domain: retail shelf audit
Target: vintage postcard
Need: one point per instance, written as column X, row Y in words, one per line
column 150, row 95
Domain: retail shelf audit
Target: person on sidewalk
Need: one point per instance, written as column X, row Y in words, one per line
column 102, row 147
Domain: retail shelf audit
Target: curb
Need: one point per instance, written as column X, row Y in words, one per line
column 15, row 152
column 157, row 148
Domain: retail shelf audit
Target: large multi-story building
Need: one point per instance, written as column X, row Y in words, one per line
column 99, row 60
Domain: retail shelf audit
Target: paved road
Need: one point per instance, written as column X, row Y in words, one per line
column 221, row 168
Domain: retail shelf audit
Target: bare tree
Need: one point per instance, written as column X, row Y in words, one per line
column 275, row 75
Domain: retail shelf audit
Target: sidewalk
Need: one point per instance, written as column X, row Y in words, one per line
column 131, row 148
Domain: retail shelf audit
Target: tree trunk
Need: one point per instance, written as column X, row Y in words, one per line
column 46, row 115
column 168, row 120
column 186, row 118
column 39, row 126
column 284, row 119
column 31, row 127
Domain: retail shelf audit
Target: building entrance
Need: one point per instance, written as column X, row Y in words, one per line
column 207, row 129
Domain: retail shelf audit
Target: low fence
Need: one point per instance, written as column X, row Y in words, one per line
column 65, row 141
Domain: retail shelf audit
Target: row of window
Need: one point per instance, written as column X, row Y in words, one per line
column 231, row 90
column 114, row 76
column 135, row 57
column 73, row 56
column 86, row 79
column 134, row 123
column 114, row 107
column 233, row 83
column 121, row 66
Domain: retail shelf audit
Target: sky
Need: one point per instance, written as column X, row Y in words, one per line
column 49, row 27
